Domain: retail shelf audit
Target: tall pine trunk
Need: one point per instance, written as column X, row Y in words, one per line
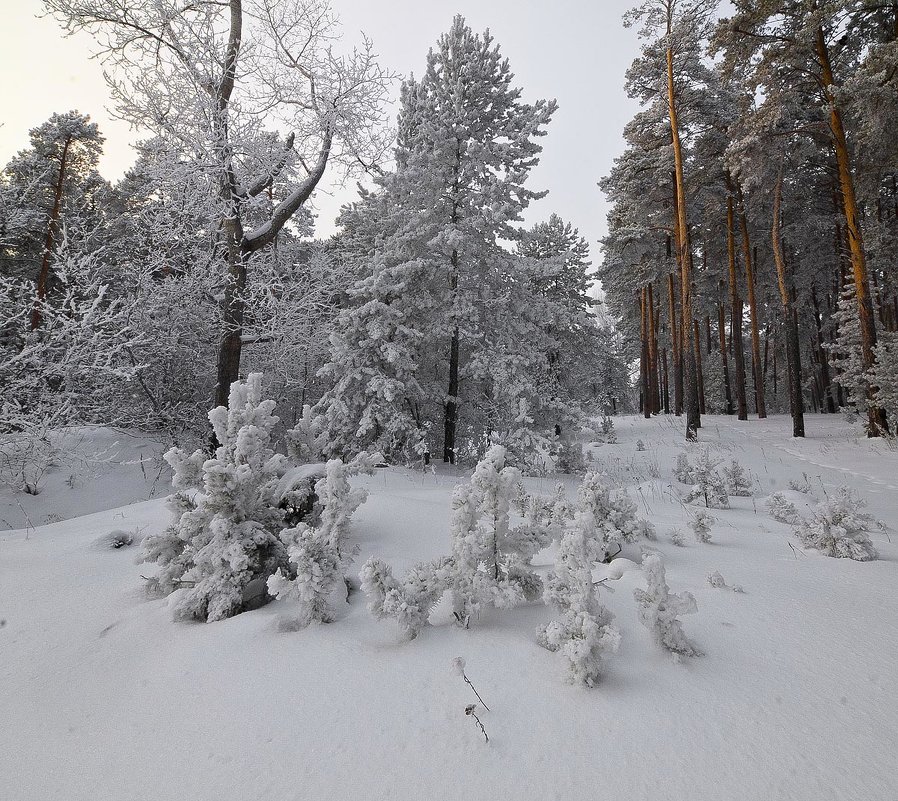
column 43, row 276
column 756, row 371
column 790, row 315
column 735, row 311
column 876, row 422
column 684, row 256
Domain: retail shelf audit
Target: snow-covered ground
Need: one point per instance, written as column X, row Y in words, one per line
column 102, row 696
column 78, row 471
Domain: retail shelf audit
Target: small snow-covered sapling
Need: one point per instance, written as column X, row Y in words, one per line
column 677, row 538
column 718, row 582
column 640, row 445
column 737, row 483
column 840, row 528
column 782, row 509
column 658, row 609
column 700, row 523
column 458, row 665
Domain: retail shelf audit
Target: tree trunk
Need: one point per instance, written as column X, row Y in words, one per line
column 684, row 251
column 735, row 310
column 790, row 313
column 722, row 337
column 757, row 374
column 698, row 368
column 43, row 277
column 676, row 350
column 450, row 424
column 876, row 422
column 644, row 357
column 653, row 354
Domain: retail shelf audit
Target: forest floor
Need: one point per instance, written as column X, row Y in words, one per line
column 102, row 696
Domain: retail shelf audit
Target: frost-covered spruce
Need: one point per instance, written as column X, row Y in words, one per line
column 839, row 528
column 640, row 445
column 227, row 512
column 737, row 483
column 318, row 553
column 683, row 471
column 708, row 486
column 410, row 600
column 607, row 432
column 658, row 609
column 781, row 509
column 614, row 514
column 885, row 376
column 700, row 522
column 491, row 559
column 583, row 633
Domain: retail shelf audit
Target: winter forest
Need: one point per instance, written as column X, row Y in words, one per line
column 450, row 496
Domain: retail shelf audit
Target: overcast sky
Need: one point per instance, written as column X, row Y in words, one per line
column 575, row 51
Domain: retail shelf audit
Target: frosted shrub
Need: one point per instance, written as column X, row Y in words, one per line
column 802, row 485
column 839, row 528
column 607, row 432
column 700, row 522
column 318, row 554
column 781, row 509
column 708, row 486
column 583, row 633
column 640, row 445
column 490, row 557
column 677, row 538
column 737, row 483
column 227, row 512
column 683, row 471
column 569, row 457
column 613, row 514
column 410, row 600
column 658, row 609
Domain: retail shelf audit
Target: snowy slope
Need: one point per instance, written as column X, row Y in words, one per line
column 102, row 696
column 88, row 469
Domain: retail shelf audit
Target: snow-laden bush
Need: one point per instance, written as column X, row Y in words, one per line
column 614, row 514
column 802, row 485
column 781, row 509
column 491, row 557
column 839, row 528
column 683, row 470
column 606, row 431
column 227, row 512
column 658, row 609
column 737, row 483
column 317, row 551
column 884, row 377
column 569, row 456
column 700, row 522
column 248, row 515
column 583, row 633
column 410, row 600
column 640, row 445
column 707, row 485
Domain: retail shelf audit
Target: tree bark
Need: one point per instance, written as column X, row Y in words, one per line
column 690, row 388
column 757, row 373
column 43, row 276
column 790, row 315
column 724, row 361
column 876, row 421
column 735, row 310
column 676, row 351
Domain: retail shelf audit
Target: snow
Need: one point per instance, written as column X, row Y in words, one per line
column 796, row 697
column 90, row 469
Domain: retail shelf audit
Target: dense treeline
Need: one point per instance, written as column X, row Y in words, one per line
column 433, row 322
column 755, row 210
